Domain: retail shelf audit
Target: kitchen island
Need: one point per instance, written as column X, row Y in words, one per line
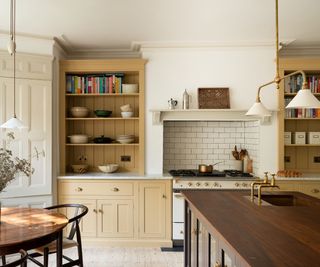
column 224, row 228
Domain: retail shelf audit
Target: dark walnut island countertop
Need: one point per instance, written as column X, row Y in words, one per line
column 261, row 235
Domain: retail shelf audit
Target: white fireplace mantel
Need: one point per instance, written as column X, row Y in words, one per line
column 160, row 115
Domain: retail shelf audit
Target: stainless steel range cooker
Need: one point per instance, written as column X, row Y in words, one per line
column 192, row 179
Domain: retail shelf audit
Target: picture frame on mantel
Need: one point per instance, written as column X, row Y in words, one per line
column 213, row 98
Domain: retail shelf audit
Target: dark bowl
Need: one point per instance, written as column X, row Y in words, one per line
column 102, row 113
column 102, row 140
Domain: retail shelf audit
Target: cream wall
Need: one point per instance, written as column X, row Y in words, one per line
column 242, row 69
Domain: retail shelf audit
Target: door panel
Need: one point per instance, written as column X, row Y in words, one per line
column 115, row 218
column 88, row 223
column 152, row 207
column 33, row 107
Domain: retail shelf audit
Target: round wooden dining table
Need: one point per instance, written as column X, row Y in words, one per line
column 28, row 228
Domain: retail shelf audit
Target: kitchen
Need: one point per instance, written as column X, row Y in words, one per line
column 164, row 139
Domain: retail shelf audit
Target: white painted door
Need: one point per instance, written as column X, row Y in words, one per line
column 33, row 107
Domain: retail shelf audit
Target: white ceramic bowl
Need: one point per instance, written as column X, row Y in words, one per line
column 127, row 114
column 79, row 112
column 79, row 138
column 126, row 140
column 80, row 168
column 126, row 108
column 130, row 88
column 109, row 168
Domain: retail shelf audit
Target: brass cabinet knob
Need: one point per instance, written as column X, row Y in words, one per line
column 94, row 210
column 115, row 189
column 217, row 264
column 79, row 189
column 315, row 190
column 164, row 196
column 100, row 211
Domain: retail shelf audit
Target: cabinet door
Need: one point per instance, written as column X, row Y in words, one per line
column 152, row 210
column 311, row 189
column 33, row 107
column 115, row 218
column 88, row 224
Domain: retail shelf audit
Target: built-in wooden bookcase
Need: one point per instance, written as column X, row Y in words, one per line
column 300, row 157
column 98, row 154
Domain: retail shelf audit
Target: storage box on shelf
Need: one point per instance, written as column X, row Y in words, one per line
column 96, row 85
column 303, row 153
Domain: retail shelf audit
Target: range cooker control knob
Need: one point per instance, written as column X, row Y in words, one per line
column 189, row 184
column 244, row 184
column 198, row 184
column 216, row 184
column 237, row 184
column 206, row 184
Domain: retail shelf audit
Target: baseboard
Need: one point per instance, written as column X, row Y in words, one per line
column 127, row 243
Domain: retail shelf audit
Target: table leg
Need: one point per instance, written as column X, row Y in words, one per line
column 59, row 249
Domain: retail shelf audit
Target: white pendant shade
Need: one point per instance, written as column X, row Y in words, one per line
column 304, row 99
column 13, row 123
column 258, row 109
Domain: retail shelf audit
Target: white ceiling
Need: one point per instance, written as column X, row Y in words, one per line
column 116, row 24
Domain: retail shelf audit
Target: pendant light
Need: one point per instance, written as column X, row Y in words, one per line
column 13, row 123
column 303, row 99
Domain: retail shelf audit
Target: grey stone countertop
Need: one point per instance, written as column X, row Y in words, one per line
column 115, row 176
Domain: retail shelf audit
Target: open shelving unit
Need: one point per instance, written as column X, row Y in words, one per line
column 98, row 154
column 299, row 157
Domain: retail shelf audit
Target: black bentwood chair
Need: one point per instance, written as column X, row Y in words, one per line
column 68, row 242
column 20, row 262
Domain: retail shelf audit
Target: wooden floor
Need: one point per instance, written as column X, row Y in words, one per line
column 125, row 257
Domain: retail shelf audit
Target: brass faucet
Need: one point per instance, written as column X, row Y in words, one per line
column 269, row 185
column 264, row 182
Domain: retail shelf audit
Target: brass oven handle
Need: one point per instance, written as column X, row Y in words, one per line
column 79, row 189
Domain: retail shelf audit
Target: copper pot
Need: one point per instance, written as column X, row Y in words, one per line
column 203, row 168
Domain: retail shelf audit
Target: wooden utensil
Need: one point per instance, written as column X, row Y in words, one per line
column 235, row 153
column 242, row 154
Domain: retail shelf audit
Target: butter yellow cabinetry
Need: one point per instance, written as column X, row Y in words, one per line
column 99, row 85
column 155, row 208
column 311, row 188
column 299, row 129
column 122, row 212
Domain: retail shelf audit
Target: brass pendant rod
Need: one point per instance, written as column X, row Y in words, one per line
column 13, row 38
column 277, row 78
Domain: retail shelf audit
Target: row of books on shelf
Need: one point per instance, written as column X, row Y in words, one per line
column 294, row 83
column 94, row 84
column 303, row 113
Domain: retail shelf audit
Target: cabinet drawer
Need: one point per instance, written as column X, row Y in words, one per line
column 312, row 189
column 99, row 188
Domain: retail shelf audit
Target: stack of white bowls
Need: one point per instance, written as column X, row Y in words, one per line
column 126, row 111
column 125, row 138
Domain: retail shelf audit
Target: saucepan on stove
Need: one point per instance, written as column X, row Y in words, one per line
column 203, row 168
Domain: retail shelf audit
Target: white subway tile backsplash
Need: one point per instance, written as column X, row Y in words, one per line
column 189, row 143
